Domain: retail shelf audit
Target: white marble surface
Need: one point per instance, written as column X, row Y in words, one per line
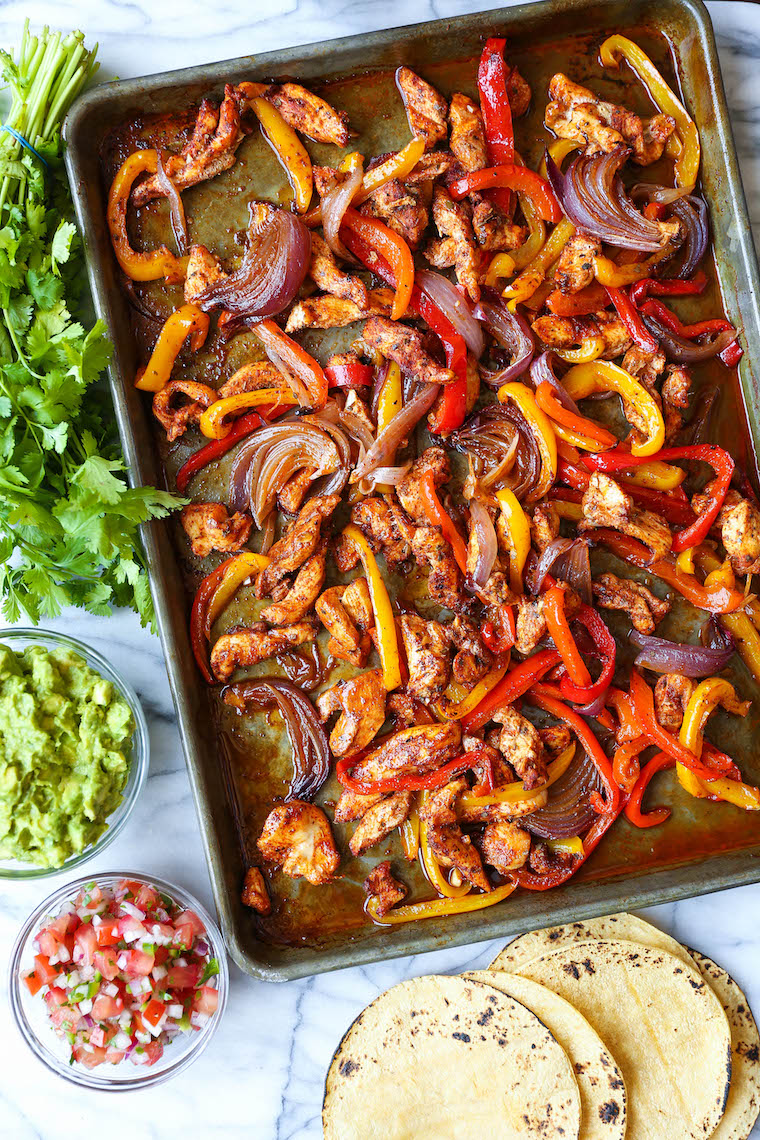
column 262, row 1076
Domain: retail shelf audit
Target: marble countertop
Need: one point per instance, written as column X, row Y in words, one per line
column 262, row 1076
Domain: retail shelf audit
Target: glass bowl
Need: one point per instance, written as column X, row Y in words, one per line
column 18, row 639
column 30, row 1013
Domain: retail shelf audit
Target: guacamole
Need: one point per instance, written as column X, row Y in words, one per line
column 65, row 737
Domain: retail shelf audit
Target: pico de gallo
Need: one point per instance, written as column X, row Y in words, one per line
column 122, row 970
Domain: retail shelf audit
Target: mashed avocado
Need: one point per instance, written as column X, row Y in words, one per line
column 65, row 737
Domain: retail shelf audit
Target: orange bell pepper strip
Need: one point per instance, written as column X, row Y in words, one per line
column 546, row 398
column 633, row 810
column 297, row 359
column 514, row 178
column 588, row 300
column 559, row 631
column 625, row 762
column 138, row 266
column 437, row 516
column 436, row 908
column 213, row 594
column 187, row 321
column 392, row 247
column 289, row 149
column 628, row 725
column 214, row 423
column 513, row 684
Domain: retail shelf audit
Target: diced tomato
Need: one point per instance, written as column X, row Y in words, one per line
column 138, row 964
column 206, row 1000
column 130, row 886
column 32, row 982
column 160, row 931
column 153, row 1012
column 85, row 944
column 106, row 962
column 89, row 898
column 63, row 925
column 154, row 1051
column 131, row 929
column 64, row 1017
column 44, row 971
column 105, row 1006
column 147, row 898
column 114, row 1056
column 102, row 1034
column 48, row 943
column 107, row 932
column 183, row 977
column 162, row 955
column 183, row 936
column 90, row 1058
column 138, row 1025
column 190, row 916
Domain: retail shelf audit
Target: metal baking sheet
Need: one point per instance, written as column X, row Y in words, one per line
column 632, row 868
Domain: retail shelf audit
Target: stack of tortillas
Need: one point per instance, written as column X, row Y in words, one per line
column 600, row 1030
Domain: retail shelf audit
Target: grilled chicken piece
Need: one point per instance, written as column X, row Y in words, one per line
column 433, row 459
column 426, row 109
column 428, row 656
column 249, row 378
column 564, row 332
column 414, row 750
column 575, row 268
column 492, row 228
column 497, row 591
column 382, row 886
column 430, row 548
column 432, row 165
column 297, row 836
column 605, row 503
column 361, row 702
column 407, row 711
column 254, row 893
column 521, row 746
column 216, row 136
column 474, row 659
column 544, row 526
column 336, row 619
column 352, row 806
column 643, row 607
column 672, row 694
column 298, row 544
column 645, row 366
column 249, row 646
column 323, row 311
column 404, row 345
column 450, row 847
column 530, row 626
column 468, row 136
column 577, row 113
column 518, row 93
column 309, row 114
column 399, row 205
column 380, row 821
column 505, row 846
column 739, row 522
column 203, row 270
column 555, row 739
column 385, row 527
column 290, row 498
column 454, row 220
column 176, row 419
column 302, row 594
column 326, row 178
column 209, row 527
column 543, row 859
column 675, row 392
column 346, row 613
column 328, row 276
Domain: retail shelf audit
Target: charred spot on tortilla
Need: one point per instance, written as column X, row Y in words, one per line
column 609, row 1112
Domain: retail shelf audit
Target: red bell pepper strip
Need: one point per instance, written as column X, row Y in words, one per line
column 588, row 300
column 501, row 640
column 402, row 782
column 633, row 810
column 675, row 508
column 520, row 178
column 564, row 871
column 656, row 287
column 392, row 248
column 731, row 354
column 493, row 74
column 450, row 413
column 714, row 599
column 717, row 457
column 662, row 313
column 605, row 643
column 542, row 697
column 206, row 454
column 512, row 685
column 198, row 615
column 353, row 375
column 635, row 327
column 437, row 516
column 560, row 633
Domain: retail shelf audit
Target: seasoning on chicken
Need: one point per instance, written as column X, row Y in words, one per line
column 297, row 837
column 473, row 659
column 382, row 887
column 675, row 392
column 575, row 268
column 643, row 607
column 399, row 205
column 426, row 109
column 352, row 806
column 298, row 544
column 645, row 366
column 413, row 751
column 672, row 694
column 407, row 711
column 449, row 845
column 518, row 93
column 376, row 824
column 530, row 625
column 431, row 549
column 386, row 528
column 204, row 269
column 492, row 228
column 468, row 137
column 432, row 165
column 209, row 527
column 324, row 311
column 302, row 594
column 404, row 345
column 739, row 522
column 606, row 504
column 249, row 378
column 309, row 114
column 346, row 613
column 254, row 893
column 564, row 332
column 216, row 136
column 456, row 245
column 521, row 746
column 433, row 459
column 505, row 846
column 330, row 278
column 428, row 656
column 175, row 419
column 577, row 113
column 290, row 497
column 246, row 647
column 544, row 525
column 361, row 703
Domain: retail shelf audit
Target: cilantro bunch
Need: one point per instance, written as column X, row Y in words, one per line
column 69, row 522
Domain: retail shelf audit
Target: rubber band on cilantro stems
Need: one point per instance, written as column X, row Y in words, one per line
column 24, row 142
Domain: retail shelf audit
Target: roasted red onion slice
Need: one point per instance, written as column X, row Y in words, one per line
column 453, row 305
column 692, row 214
column 548, row 557
column 483, row 534
column 683, row 351
column 663, row 656
column 574, row 567
column 176, row 209
column 541, row 371
column 334, row 206
column 272, row 270
column 311, row 755
column 593, row 197
column 490, row 435
column 384, row 448
column 512, row 332
column 569, row 811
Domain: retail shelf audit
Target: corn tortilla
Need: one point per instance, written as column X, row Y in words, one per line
column 664, row 1025
column 600, row 1082
column 439, row 1057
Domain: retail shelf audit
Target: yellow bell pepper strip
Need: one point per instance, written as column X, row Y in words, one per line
column 604, row 376
column 213, row 594
column 573, row 845
column 389, row 402
column 687, row 162
column 573, row 512
column 214, row 422
column 592, row 436
column 385, row 622
column 558, row 152
column 432, row 866
column 558, row 628
column 396, row 165
column 738, row 624
column 243, row 566
column 437, row 516
column 591, row 348
column 392, row 247
column 702, row 703
column 501, row 265
column 187, row 321
column 519, row 537
column 138, row 266
column 437, row 908
column 473, row 698
column 541, row 426
column 514, row 792
column 410, row 831
column 515, row 177
column 614, row 276
column 535, row 271
column 289, row 149
column 685, row 561
column 655, row 474
column 533, row 244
